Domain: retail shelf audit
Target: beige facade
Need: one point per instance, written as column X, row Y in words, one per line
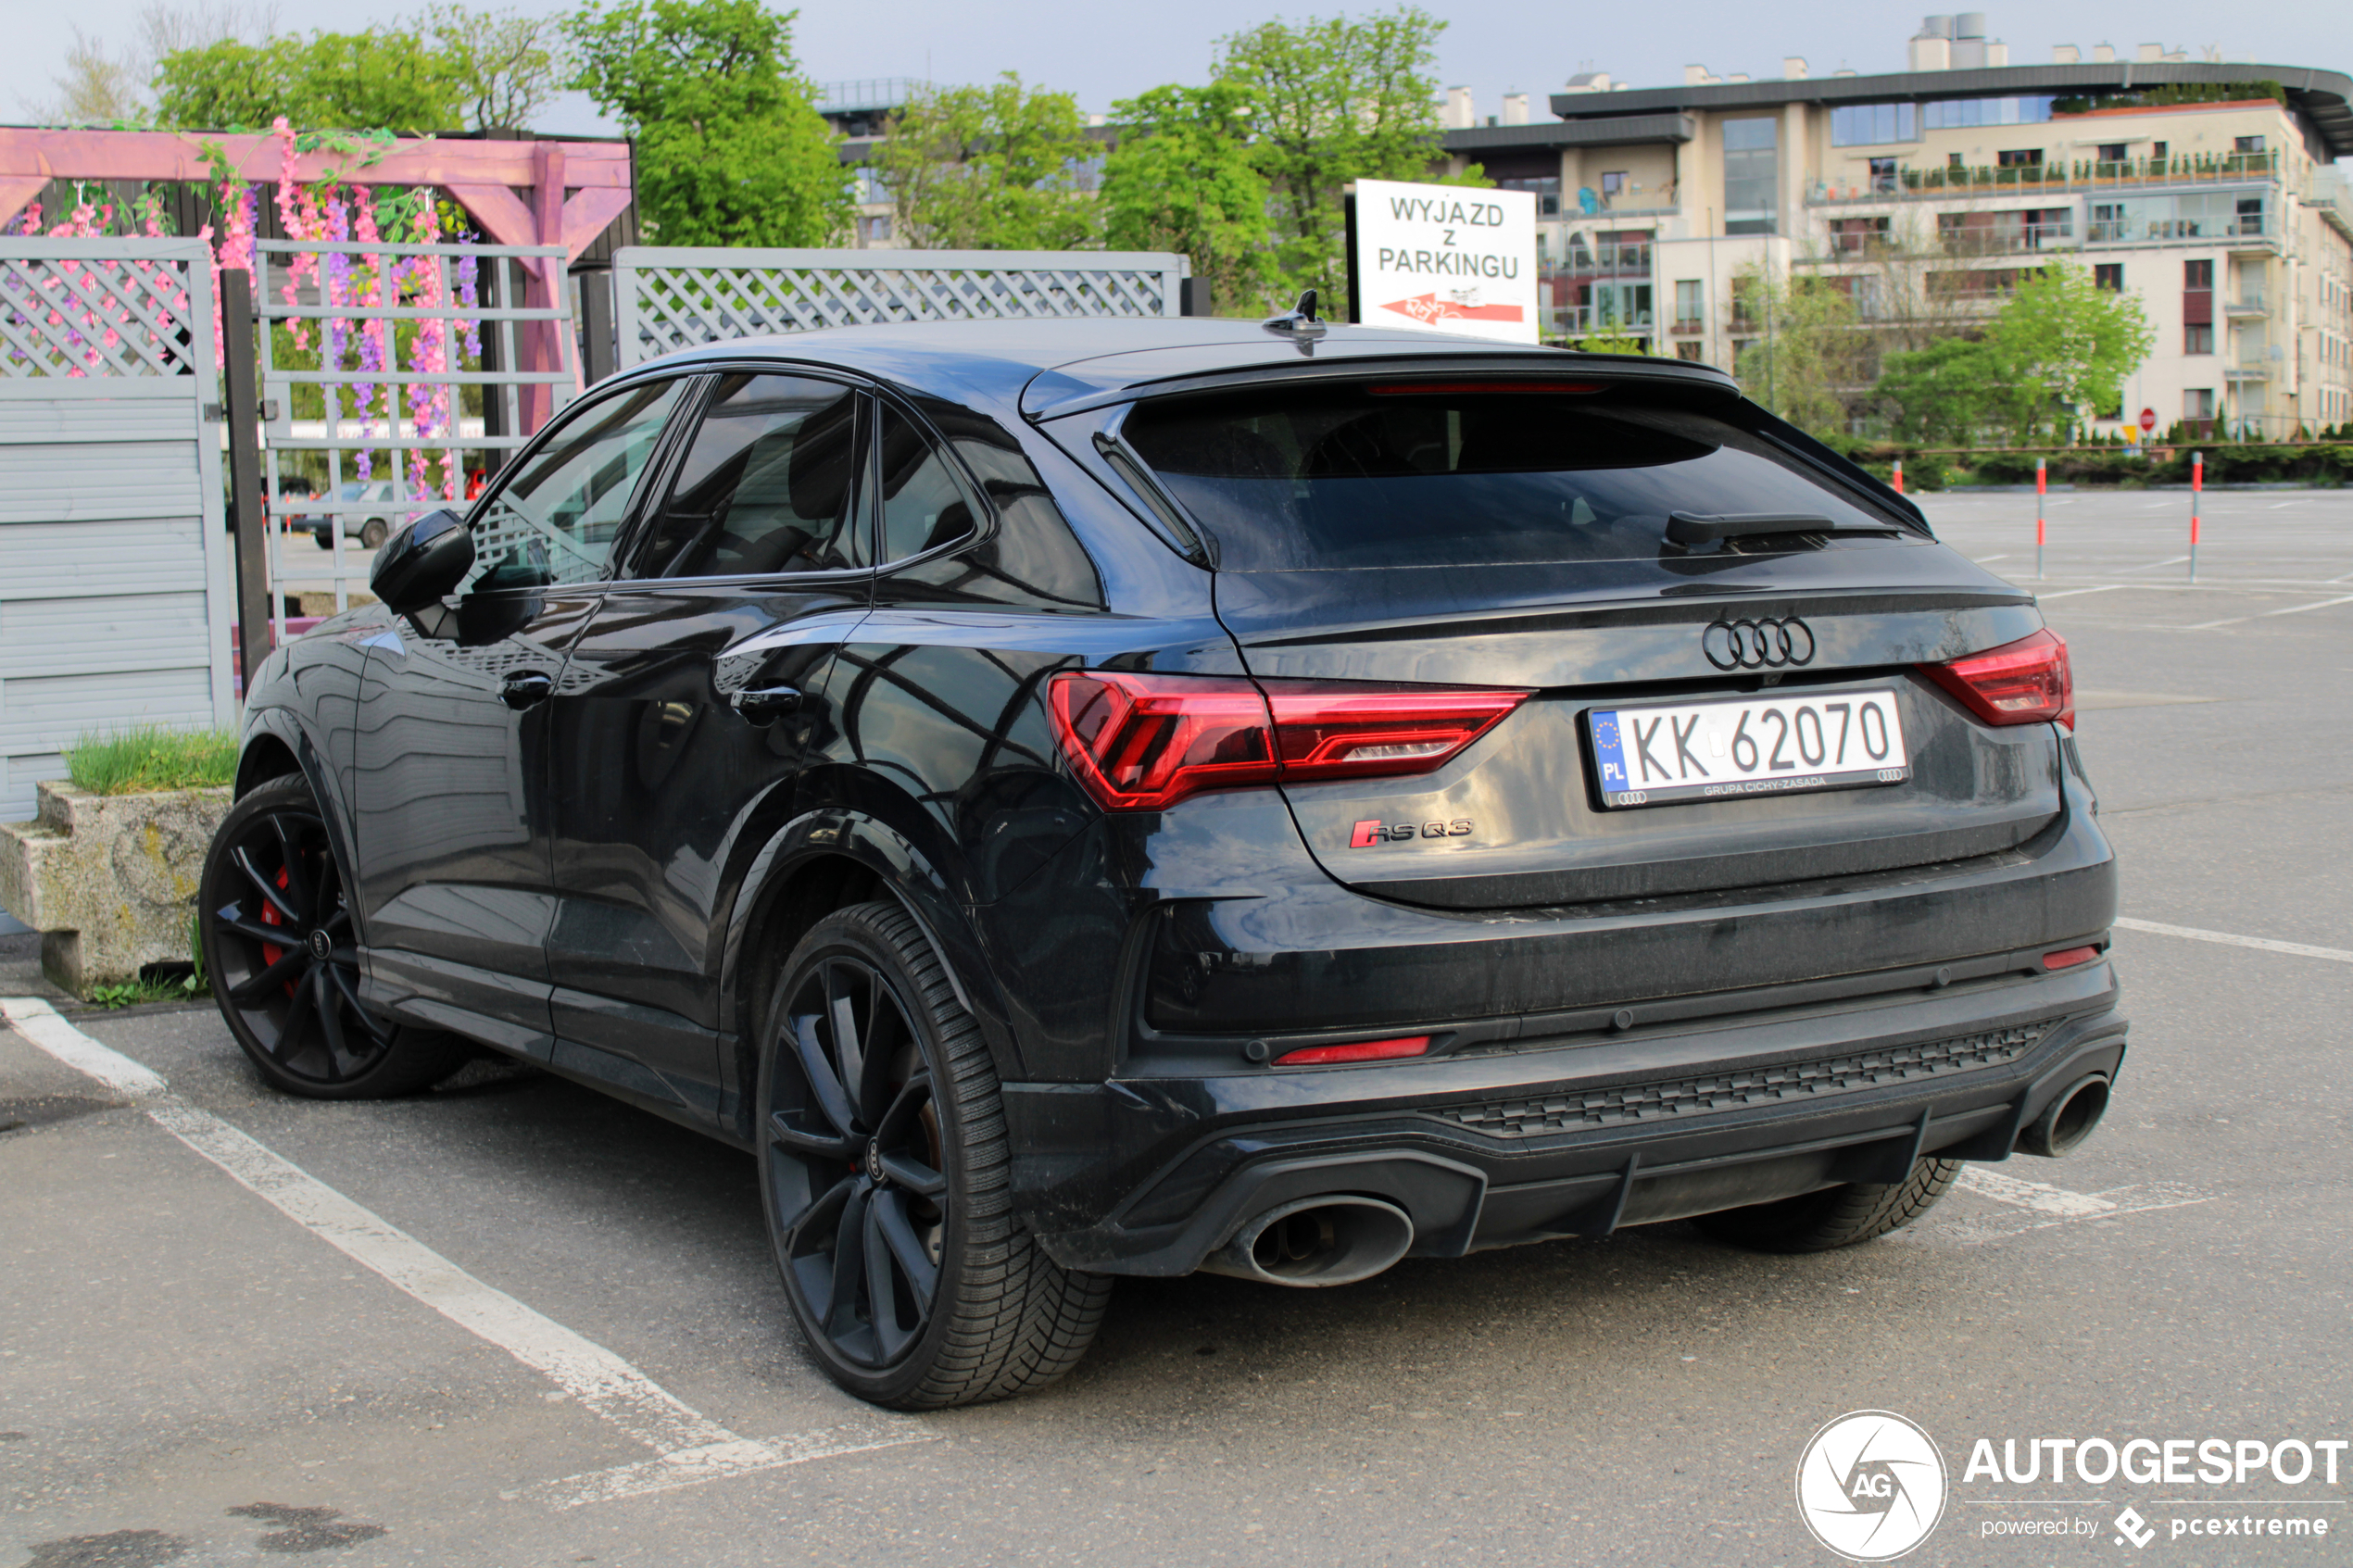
column 1927, row 194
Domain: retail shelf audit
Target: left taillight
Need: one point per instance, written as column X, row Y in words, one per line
column 2027, row 681
column 1142, row 743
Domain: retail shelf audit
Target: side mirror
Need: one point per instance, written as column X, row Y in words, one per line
column 423, row 562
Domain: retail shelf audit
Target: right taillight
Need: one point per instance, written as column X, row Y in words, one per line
column 2026, row 682
column 1143, row 742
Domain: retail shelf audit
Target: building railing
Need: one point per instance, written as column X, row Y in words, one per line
column 2097, row 174
column 1582, row 319
column 2248, row 303
column 1602, row 260
column 1688, row 326
column 2122, row 231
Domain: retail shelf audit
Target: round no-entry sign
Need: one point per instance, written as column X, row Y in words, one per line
column 2148, row 420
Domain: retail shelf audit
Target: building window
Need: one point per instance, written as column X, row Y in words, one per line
column 1688, row 351
column 1959, row 114
column 1884, row 176
column 2197, row 337
column 2113, row 152
column 2157, row 151
column 2198, row 403
column 1690, row 310
column 2108, row 221
column 2109, row 275
column 874, row 231
column 2019, row 158
column 1952, row 160
column 1854, row 236
column 2197, row 277
column 2248, row 145
column 1613, row 184
column 1865, row 125
column 1751, row 177
column 1546, row 191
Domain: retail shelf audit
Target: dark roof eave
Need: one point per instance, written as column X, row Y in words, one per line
column 2321, row 96
column 1612, row 132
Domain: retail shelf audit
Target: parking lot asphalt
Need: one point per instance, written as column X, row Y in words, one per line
column 204, row 1361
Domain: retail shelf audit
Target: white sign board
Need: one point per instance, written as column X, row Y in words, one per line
column 1447, row 258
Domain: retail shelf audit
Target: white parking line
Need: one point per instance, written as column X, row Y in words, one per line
column 2071, row 593
column 2298, row 610
column 690, row 1446
column 2059, row 1207
column 2261, row 943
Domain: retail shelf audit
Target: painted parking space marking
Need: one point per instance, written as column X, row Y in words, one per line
column 2229, row 939
column 2033, row 1206
column 690, row 1447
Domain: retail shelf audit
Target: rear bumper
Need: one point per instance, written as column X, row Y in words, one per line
column 1147, row 1175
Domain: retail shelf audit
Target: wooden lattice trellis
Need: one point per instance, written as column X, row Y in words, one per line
column 670, row 299
column 110, row 309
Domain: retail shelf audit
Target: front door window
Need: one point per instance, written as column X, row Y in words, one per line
column 557, row 521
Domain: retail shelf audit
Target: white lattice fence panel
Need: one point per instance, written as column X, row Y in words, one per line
column 669, row 299
column 98, row 307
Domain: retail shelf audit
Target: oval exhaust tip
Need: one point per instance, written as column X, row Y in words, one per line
column 2068, row 1119
column 1313, row 1242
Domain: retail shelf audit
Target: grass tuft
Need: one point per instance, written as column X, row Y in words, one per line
column 148, row 756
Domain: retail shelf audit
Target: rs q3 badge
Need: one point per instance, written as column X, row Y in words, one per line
column 1368, row 834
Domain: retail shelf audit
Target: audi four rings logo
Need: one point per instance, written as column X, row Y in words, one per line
column 1758, row 644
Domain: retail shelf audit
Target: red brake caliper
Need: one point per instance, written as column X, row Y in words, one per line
column 269, row 916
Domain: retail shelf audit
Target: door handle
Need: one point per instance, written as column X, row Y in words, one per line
column 763, row 704
column 524, row 688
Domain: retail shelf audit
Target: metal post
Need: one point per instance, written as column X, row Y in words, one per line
column 2197, row 484
column 1899, row 476
column 241, row 403
column 595, row 323
column 2041, row 477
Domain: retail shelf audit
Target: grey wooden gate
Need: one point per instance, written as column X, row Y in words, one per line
column 669, row 298
column 356, row 490
column 115, row 575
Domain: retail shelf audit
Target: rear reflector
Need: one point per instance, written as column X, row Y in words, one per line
column 2068, row 957
column 2027, row 681
column 1359, row 1051
column 1142, row 743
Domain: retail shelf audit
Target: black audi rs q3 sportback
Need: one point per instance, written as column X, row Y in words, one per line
column 1098, row 798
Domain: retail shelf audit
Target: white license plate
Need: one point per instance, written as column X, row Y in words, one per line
column 1655, row 755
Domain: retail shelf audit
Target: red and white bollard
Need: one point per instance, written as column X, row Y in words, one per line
column 1899, row 476
column 2041, row 477
column 2197, row 484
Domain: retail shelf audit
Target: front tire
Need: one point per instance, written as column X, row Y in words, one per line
column 274, row 920
column 885, row 1176
column 372, row 531
column 1839, row 1216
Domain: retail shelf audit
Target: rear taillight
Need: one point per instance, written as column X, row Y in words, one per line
column 1141, row 742
column 2026, row 682
column 2068, row 957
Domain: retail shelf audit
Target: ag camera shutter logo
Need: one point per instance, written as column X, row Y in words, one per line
column 1870, row 1486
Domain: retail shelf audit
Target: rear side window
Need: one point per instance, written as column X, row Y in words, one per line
column 1349, row 476
column 766, row 487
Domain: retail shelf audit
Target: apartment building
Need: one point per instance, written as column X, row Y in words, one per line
column 1926, row 195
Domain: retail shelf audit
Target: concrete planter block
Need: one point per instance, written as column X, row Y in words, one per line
column 109, row 881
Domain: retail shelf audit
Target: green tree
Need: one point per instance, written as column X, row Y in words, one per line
column 503, row 63
column 1812, row 362
column 1182, row 178
column 999, row 168
column 2061, row 345
column 729, row 149
column 1334, row 100
column 382, row 79
column 1939, row 396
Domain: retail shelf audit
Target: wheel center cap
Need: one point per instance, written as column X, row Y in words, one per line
column 875, row 1172
column 321, row 946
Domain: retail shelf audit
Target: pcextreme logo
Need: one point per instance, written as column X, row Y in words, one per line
column 1870, row 1486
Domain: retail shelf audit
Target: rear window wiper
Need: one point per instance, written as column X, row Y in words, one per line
column 1691, row 528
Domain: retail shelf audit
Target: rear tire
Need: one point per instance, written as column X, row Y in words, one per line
column 283, row 959
column 1839, row 1216
column 372, row 531
column 886, row 1174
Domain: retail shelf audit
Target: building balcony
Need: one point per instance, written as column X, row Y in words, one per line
column 2247, row 305
column 1580, row 321
column 2247, row 371
column 2080, row 174
column 1688, row 326
column 1628, row 260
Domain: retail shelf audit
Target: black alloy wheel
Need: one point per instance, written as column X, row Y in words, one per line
column 884, row 1172
column 281, row 952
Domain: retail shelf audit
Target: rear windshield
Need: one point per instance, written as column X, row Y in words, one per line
column 1349, row 476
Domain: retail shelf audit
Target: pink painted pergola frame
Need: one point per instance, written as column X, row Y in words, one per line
column 522, row 192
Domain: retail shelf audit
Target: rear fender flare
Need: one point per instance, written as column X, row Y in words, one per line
column 911, row 879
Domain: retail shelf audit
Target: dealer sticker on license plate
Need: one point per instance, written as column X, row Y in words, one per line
column 1657, row 755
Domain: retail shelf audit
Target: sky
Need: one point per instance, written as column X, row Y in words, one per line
column 1107, row 49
